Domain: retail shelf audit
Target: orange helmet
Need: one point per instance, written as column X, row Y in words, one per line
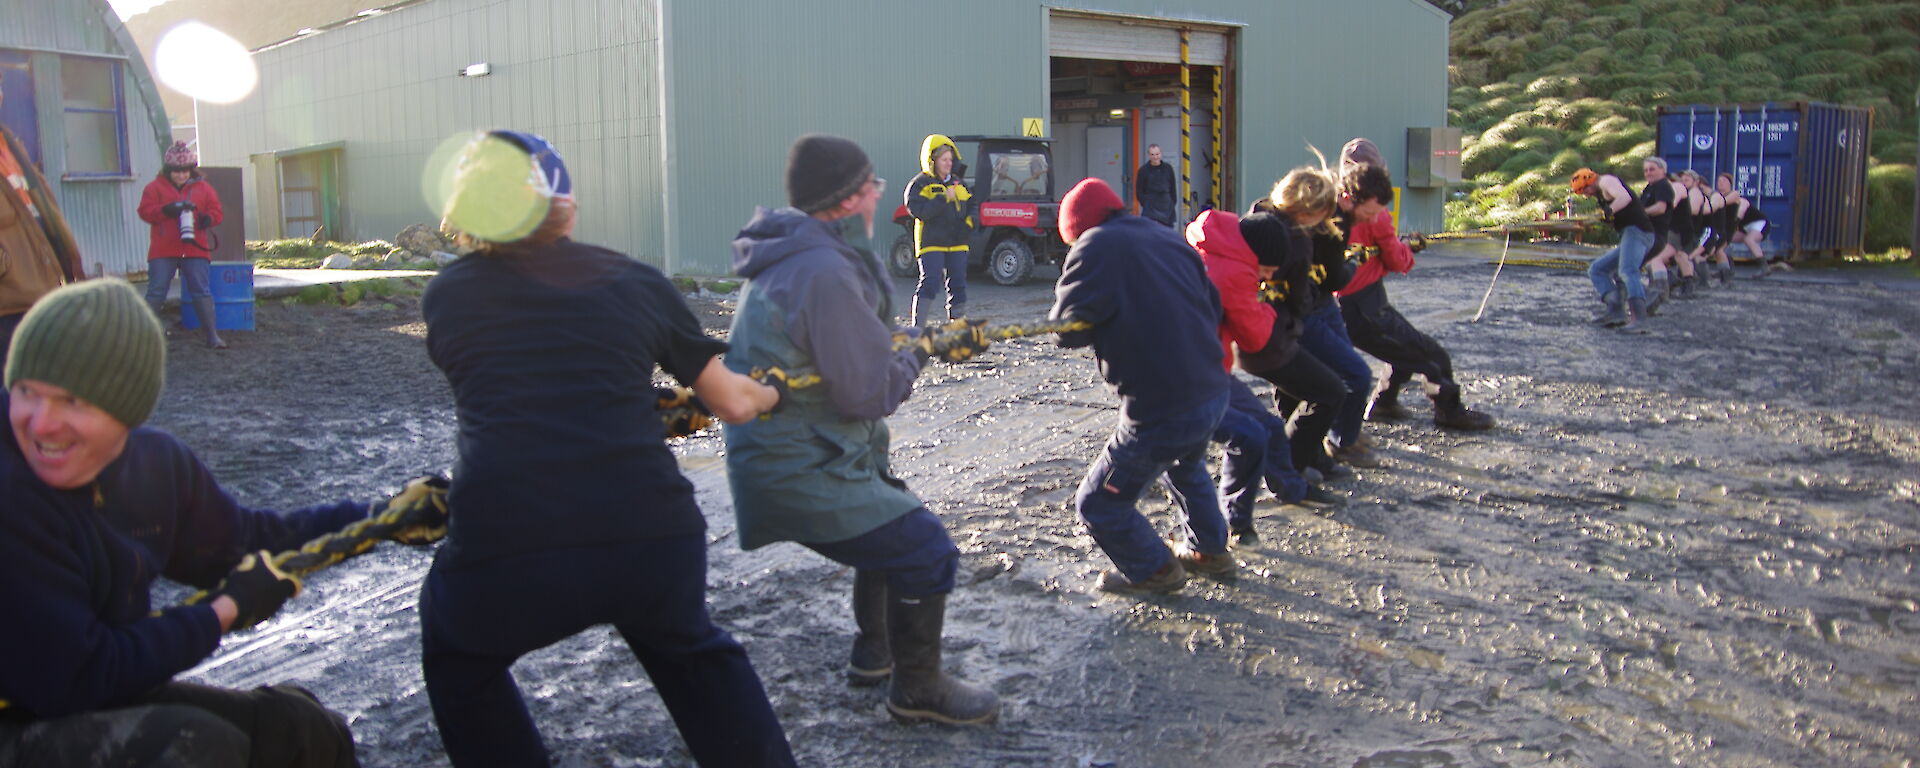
column 1583, row 180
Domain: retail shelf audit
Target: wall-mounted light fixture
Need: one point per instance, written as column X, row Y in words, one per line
column 1117, row 114
column 481, row 69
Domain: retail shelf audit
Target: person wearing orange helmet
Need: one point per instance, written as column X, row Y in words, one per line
column 1617, row 273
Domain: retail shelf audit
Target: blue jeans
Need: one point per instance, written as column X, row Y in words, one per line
column 943, row 266
column 1324, row 333
column 1139, row 454
column 1622, row 264
column 476, row 620
column 1257, row 449
column 913, row 550
column 193, row 279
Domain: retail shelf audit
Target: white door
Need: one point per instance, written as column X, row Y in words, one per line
column 1106, row 158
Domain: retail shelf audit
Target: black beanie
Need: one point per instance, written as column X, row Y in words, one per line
column 823, row 170
column 1266, row 234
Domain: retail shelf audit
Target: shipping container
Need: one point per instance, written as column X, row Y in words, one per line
column 1804, row 164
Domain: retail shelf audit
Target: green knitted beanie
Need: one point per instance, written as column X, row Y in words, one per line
column 98, row 340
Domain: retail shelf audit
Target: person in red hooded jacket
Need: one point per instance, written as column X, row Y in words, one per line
column 1375, row 326
column 1255, row 438
column 181, row 206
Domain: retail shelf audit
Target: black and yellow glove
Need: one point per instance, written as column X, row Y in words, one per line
column 257, row 589
column 1416, row 242
column 776, row 378
column 423, row 499
column 1359, row 254
column 681, row 411
column 1273, row 291
column 957, row 341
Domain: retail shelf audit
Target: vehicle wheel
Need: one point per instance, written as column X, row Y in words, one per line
column 1011, row 262
column 900, row 260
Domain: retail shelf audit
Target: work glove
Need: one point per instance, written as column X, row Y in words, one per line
column 1359, row 254
column 681, row 411
column 173, row 209
column 776, row 378
column 423, row 498
column 1273, row 291
column 957, row 341
column 1416, row 242
column 257, row 588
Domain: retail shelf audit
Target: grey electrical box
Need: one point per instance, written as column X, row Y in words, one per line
column 1433, row 157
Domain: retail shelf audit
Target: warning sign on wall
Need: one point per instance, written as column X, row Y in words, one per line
column 1031, row 126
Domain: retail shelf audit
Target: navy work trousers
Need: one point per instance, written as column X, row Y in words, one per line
column 476, row 620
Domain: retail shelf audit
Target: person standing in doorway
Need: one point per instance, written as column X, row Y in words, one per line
column 942, row 224
column 181, row 207
column 37, row 249
column 1154, row 188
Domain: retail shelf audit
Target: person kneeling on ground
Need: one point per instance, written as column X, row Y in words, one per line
column 97, row 507
column 817, row 472
column 1155, row 319
column 1375, row 326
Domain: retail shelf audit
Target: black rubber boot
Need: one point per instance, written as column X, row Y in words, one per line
column 1612, row 316
column 1450, row 413
column 1685, row 290
column 203, row 306
column 1636, row 317
column 1726, row 274
column 1386, row 403
column 920, row 690
column 872, row 660
column 1656, row 294
column 957, row 312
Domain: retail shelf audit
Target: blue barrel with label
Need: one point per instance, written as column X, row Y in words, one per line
column 1803, row 163
column 232, row 285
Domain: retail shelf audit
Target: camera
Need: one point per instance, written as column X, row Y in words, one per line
column 186, row 225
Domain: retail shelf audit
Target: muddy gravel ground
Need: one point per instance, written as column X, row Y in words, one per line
column 1692, row 548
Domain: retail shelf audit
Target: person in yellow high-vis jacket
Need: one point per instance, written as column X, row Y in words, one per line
column 942, row 224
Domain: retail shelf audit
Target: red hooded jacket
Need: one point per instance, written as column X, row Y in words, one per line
column 164, row 241
column 1394, row 255
column 1247, row 321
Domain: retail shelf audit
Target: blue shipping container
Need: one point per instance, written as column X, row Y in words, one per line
column 1803, row 163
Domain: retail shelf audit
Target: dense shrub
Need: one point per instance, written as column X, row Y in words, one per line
column 1890, row 190
column 1543, row 87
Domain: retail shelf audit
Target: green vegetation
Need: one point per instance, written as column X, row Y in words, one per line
column 302, row 253
column 355, row 292
column 1543, row 87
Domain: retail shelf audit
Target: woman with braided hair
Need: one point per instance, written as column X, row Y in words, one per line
column 571, row 511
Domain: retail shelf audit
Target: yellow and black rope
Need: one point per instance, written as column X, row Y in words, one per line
column 681, row 411
column 417, row 515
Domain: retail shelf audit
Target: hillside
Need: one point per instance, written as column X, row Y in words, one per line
column 1543, row 87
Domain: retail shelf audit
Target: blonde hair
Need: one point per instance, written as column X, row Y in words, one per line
column 1307, row 190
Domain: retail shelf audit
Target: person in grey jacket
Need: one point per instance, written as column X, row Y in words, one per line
column 816, row 471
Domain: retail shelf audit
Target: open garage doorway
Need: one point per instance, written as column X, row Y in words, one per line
column 1117, row 89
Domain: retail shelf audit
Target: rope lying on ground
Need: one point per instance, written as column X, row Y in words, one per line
column 417, row 515
column 684, row 414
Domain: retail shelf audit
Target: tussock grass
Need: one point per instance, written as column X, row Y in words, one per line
column 1543, row 87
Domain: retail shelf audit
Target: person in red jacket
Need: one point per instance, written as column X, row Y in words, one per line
column 1375, row 326
column 181, row 206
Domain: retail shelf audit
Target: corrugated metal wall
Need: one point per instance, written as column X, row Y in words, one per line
column 745, row 82
column 112, row 237
column 742, row 80
column 583, row 73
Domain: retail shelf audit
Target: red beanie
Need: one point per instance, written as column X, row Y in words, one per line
column 1088, row 205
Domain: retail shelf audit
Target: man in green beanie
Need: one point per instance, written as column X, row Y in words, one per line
column 97, row 507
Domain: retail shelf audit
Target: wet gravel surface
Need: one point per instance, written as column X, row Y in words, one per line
column 1694, row 548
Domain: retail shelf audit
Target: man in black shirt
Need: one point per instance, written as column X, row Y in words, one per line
column 1154, row 188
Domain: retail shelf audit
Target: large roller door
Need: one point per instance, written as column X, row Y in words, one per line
column 1122, row 38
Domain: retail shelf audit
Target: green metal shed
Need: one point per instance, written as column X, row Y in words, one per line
column 676, row 115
